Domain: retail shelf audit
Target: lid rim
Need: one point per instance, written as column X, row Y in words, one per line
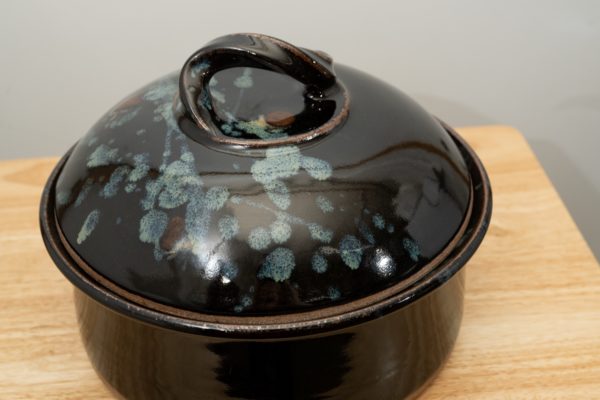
column 281, row 325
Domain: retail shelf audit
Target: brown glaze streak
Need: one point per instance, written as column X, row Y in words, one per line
column 435, row 273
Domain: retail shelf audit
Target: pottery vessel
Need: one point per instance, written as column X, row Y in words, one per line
column 267, row 224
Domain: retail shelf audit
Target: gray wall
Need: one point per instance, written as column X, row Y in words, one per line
column 531, row 64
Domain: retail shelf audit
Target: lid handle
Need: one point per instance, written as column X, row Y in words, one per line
column 312, row 68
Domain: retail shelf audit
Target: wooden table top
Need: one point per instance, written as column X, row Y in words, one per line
column 531, row 326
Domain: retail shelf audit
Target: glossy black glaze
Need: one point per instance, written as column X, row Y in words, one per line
column 155, row 220
column 360, row 209
column 386, row 358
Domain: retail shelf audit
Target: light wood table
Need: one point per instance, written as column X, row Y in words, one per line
column 531, row 326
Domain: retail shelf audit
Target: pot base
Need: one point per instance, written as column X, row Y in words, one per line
column 386, row 358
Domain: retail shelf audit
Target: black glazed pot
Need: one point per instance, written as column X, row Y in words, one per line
column 262, row 227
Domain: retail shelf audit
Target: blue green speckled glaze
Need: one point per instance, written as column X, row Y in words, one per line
column 290, row 228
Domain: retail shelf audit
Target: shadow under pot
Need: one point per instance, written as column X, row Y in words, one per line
column 263, row 225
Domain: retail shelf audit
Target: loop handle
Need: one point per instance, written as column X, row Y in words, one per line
column 313, row 69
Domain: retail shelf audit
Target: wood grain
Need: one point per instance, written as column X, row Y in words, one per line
column 531, row 327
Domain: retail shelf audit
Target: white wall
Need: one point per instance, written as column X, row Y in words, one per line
column 531, row 64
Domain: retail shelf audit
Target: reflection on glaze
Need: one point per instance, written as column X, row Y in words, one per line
column 384, row 263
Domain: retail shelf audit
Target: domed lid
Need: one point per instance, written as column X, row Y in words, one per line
column 261, row 180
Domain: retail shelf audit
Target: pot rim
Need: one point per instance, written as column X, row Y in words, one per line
column 454, row 257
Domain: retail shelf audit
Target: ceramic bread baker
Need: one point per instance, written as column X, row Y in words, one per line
column 266, row 224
